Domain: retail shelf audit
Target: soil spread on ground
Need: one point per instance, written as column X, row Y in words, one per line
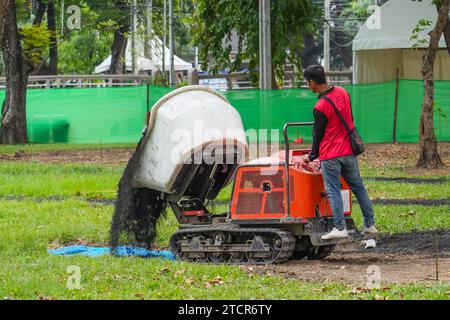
column 401, row 258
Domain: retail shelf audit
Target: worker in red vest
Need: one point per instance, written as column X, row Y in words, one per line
column 331, row 144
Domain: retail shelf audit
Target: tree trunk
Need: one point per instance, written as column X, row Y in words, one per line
column 51, row 22
column 429, row 155
column 310, row 52
column 447, row 33
column 39, row 11
column 3, row 5
column 118, row 63
column 14, row 126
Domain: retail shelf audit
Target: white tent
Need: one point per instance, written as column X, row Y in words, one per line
column 144, row 64
column 383, row 44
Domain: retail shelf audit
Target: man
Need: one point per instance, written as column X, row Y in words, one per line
column 331, row 144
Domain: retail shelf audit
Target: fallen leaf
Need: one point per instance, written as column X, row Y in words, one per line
column 408, row 214
column 140, row 296
column 208, row 285
column 44, row 297
column 180, row 272
column 217, row 281
column 165, row 270
column 189, row 281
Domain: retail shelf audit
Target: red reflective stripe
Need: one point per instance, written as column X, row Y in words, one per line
column 194, row 213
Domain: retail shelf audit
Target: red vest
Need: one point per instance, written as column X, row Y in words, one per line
column 336, row 141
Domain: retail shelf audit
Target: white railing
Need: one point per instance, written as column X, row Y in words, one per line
column 242, row 81
column 83, row 81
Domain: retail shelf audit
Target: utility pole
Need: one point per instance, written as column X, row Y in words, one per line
column 265, row 46
column 133, row 37
column 149, row 35
column 164, row 42
column 196, row 58
column 63, row 8
column 326, row 37
column 171, row 44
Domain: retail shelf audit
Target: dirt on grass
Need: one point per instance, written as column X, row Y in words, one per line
column 377, row 155
column 400, row 259
column 404, row 155
column 115, row 156
column 403, row 258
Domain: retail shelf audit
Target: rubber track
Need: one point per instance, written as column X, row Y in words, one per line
column 287, row 248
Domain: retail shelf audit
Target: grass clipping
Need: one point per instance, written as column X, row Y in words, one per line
column 137, row 210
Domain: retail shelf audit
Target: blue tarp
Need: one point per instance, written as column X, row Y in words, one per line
column 120, row 251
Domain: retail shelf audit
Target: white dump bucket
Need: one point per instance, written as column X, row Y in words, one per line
column 185, row 122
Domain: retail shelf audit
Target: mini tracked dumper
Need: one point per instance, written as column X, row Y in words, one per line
column 279, row 209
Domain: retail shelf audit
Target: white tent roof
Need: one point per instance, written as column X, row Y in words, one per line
column 398, row 20
column 144, row 64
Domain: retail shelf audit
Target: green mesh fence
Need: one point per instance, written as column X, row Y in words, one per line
column 271, row 110
column 409, row 107
column 373, row 110
column 106, row 115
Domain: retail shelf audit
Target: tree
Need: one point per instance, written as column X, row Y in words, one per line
column 14, row 129
column 22, row 52
column 51, row 23
column 428, row 155
column 120, row 39
column 215, row 21
column 80, row 51
column 40, row 8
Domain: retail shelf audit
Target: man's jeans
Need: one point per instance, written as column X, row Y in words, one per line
column 347, row 167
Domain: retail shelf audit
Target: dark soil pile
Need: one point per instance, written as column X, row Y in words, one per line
column 137, row 210
column 414, row 242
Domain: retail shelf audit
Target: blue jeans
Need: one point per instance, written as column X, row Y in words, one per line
column 347, row 167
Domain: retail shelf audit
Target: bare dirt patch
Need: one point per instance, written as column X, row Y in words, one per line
column 119, row 156
column 353, row 269
column 57, row 243
column 401, row 258
column 403, row 155
column 377, row 155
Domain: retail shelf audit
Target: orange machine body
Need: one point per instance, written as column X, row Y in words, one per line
column 259, row 191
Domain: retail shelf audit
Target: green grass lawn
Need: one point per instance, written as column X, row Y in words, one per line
column 28, row 228
column 100, row 181
column 27, row 271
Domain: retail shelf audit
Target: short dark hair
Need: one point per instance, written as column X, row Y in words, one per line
column 315, row 73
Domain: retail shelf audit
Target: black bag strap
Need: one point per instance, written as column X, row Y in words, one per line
column 338, row 113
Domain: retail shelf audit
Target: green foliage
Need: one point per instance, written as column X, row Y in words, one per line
column 356, row 12
column 215, row 21
column 80, row 51
column 35, row 40
column 421, row 26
